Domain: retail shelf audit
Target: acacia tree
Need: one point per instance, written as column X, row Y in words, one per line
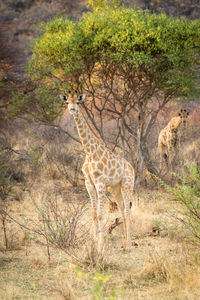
column 130, row 63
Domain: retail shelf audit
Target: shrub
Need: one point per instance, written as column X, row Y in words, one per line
column 187, row 193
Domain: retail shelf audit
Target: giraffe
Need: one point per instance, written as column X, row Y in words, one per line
column 168, row 138
column 102, row 169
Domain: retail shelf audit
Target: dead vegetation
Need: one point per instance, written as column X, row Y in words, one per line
column 47, row 250
column 162, row 264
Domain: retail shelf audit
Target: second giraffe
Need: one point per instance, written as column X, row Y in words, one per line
column 168, row 138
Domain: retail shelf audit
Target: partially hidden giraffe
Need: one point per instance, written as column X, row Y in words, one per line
column 102, row 169
column 168, row 139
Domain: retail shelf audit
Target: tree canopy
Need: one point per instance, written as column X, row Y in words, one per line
column 158, row 47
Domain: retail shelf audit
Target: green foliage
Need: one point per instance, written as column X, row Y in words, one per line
column 18, row 104
column 41, row 104
column 103, row 4
column 188, row 195
column 99, row 284
column 48, row 107
column 5, row 181
column 160, row 48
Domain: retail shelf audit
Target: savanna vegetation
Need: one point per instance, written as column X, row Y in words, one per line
column 137, row 68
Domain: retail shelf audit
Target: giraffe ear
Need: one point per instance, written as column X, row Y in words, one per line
column 63, row 98
column 81, row 98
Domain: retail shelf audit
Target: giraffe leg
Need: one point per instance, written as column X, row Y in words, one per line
column 161, row 150
column 101, row 193
column 176, row 149
column 127, row 194
column 93, row 197
column 170, row 155
column 117, row 195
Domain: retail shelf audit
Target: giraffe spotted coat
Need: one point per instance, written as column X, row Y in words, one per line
column 168, row 139
column 103, row 169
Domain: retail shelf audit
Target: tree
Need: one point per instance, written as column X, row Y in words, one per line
column 130, row 63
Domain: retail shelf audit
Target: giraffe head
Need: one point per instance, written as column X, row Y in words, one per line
column 73, row 100
column 183, row 114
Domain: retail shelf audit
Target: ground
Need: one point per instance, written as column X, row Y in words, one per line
column 161, row 265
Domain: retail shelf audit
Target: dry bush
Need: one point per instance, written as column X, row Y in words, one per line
column 66, row 162
column 178, row 268
column 67, row 228
column 11, row 238
column 63, row 290
column 62, row 226
column 21, row 155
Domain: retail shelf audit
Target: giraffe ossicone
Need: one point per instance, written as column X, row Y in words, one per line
column 168, row 139
column 102, row 169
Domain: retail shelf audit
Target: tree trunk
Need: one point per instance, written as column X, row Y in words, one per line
column 143, row 158
column 140, row 160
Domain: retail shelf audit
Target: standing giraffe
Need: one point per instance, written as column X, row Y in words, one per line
column 168, row 138
column 102, row 169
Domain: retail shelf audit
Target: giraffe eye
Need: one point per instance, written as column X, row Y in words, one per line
column 65, row 99
column 76, row 91
column 69, row 92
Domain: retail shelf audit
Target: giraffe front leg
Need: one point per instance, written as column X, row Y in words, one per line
column 93, row 197
column 127, row 194
column 170, row 155
column 101, row 194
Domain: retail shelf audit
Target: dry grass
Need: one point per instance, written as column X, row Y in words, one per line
column 162, row 266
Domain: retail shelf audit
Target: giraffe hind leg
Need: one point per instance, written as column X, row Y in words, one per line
column 161, row 149
column 166, row 158
column 117, row 195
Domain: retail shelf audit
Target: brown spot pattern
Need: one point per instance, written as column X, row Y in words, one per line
column 100, row 166
column 96, row 174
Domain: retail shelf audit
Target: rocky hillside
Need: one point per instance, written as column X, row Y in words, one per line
column 19, row 26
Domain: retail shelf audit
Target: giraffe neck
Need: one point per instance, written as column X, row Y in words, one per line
column 175, row 123
column 89, row 138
